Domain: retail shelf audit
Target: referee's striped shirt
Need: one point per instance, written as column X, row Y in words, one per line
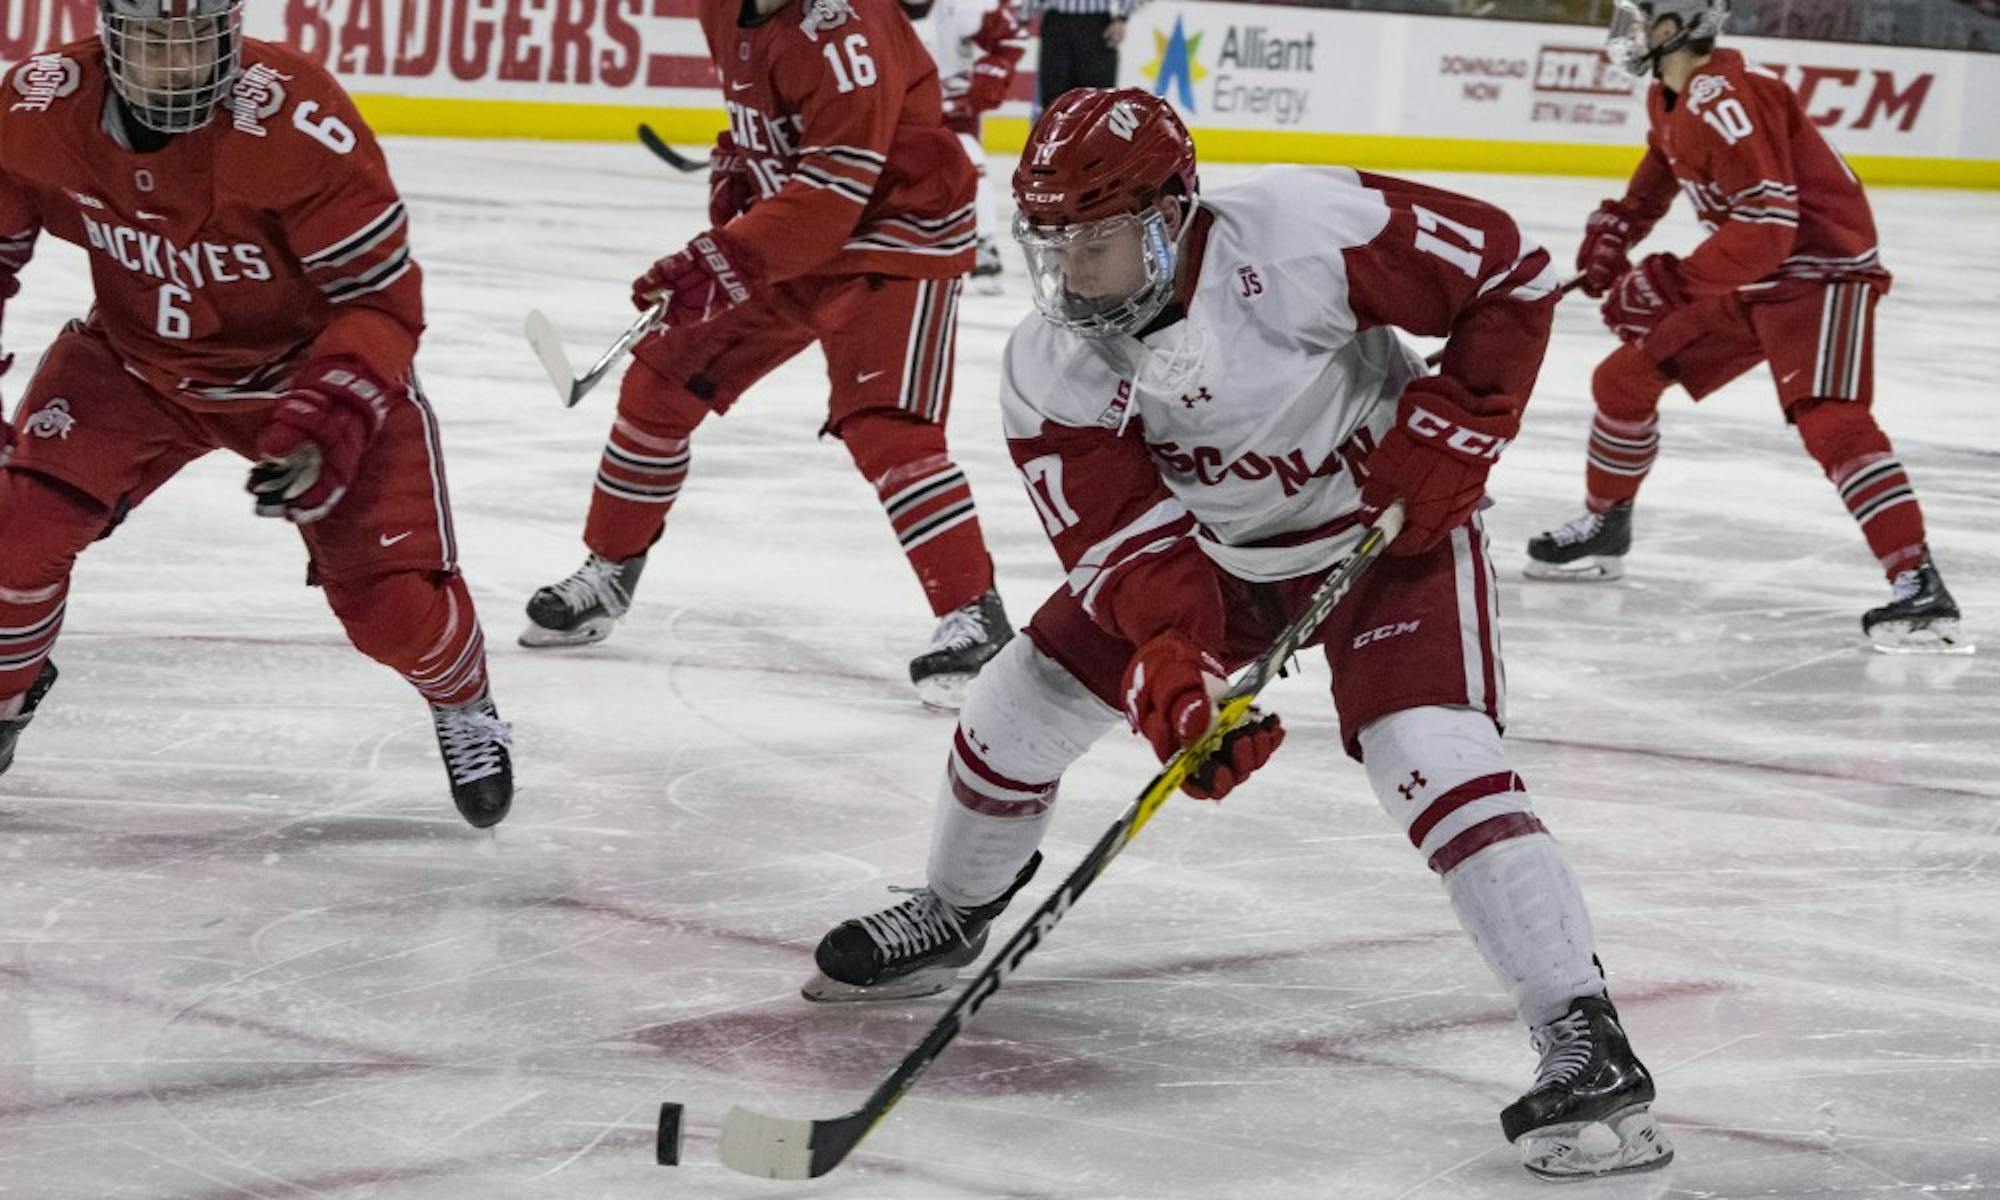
column 1119, row 9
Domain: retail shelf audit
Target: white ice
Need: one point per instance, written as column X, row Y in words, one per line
column 250, row 950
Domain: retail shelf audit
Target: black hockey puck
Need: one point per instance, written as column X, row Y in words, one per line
column 667, row 1147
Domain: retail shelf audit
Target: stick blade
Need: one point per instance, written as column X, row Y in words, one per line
column 765, row 1146
column 548, row 348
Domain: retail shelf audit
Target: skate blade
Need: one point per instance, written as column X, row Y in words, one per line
column 821, row 989
column 944, row 692
column 1901, row 637
column 536, row 637
column 1628, row 1140
column 1583, row 570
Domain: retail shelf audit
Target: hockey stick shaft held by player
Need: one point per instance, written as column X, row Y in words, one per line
column 782, row 1148
column 667, row 154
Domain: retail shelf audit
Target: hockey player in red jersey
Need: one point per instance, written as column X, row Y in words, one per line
column 1789, row 275
column 1209, row 407
column 255, row 293
column 842, row 214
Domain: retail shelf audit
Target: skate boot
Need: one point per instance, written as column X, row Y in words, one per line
column 913, row 949
column 1586, row 550
column 986, row 267
column 583, row 608
column 11, row 727
column 1589, row 1112
column 474, row 742
column 966, row 637
column 1920, row 618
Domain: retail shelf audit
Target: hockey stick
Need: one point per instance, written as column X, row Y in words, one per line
column 667, row 154
column 785, row 1148
column 555, row 360
column 1562, row 289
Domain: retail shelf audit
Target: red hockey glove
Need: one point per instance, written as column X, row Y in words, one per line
column 1607, row 237
column 1170, row 690
column 731, row 190
column 959, row 114
column 1170, row 686
column 714, row 274
column 311, row 445
column 8, row 286
column 1643, row 297
column 1436, row 458
column 1244, row 749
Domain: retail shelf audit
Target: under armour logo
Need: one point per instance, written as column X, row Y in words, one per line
column 1197, row 398
column 1409, row 790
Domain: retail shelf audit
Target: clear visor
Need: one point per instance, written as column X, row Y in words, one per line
column 1629, row 43
column 173, row 72
column 1100, row 278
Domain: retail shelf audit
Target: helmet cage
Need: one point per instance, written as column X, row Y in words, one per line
column 1053, row 250
column 173, row 62
column 1629, row 44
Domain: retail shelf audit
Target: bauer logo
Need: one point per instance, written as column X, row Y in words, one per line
column 43, row 80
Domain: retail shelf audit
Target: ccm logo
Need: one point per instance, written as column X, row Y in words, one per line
column 1461, row 441
column 1382, row 633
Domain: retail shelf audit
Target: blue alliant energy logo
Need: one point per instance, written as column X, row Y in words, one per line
column 1174, row 65
column 1257, row 72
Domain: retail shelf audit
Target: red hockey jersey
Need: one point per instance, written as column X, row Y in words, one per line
column 232, row 254
column 836, row 106
column 1779, row 202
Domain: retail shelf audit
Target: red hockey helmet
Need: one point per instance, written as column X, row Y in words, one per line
column 1088, row 193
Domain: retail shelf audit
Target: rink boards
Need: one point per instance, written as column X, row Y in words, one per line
column 1257, row 83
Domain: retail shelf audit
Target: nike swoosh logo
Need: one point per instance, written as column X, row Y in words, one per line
column 741, row 87
column 1789, row 375
column 386, row 540
column 150, row 216
column 868, row 375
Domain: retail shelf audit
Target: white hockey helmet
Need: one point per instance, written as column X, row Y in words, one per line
column 172, row 62
column 1630, row 43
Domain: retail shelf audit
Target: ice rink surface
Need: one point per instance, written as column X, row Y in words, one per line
column 250, row 950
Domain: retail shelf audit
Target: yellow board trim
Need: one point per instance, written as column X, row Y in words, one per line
column 695, row 128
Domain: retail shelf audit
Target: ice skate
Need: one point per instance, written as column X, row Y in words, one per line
column 582, row 609
column 966, row 637
column 1920, row 618
column 11, row 727
column 1589, row 1111
column 986, row 267
column 474, row 742
column 912, row 949
column 1589, row 549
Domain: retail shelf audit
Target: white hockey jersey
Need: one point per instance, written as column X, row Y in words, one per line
column 1302, row 276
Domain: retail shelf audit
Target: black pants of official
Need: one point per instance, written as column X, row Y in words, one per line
column 1073, row 55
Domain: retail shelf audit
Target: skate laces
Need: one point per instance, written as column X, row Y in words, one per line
column 914, row 926
column 594, row 583
column 960, row 628
column 1582, row 529
column 1907, row 586
column 1566, row 1050
column 472, row 737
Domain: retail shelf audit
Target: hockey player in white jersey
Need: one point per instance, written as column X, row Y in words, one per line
column 1209, row 407
column 977, row 45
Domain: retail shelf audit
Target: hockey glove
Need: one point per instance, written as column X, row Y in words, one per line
column 1170, row 690
column 1643, row 297
column 731, row 190
column 714, row 274
column 310, row 448
column 1607, row 237
column 8, row 287
column 1436, row 458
